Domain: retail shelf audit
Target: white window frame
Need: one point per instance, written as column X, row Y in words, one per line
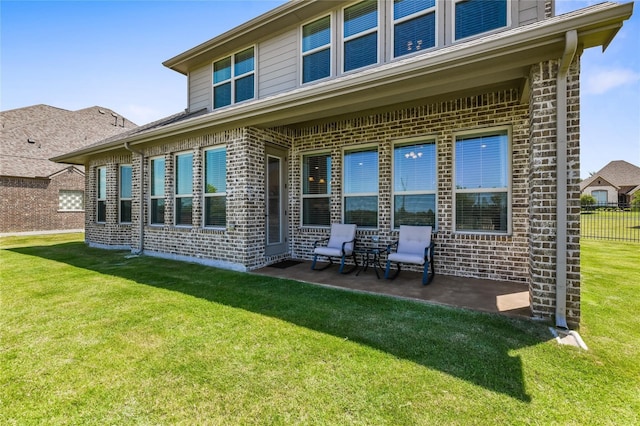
column 509, row 189
column 435, row 9
column 176, row 195
column 365, row 147
column 120, row 197
column 304, row 196
column 413, row 141
column 330, row 46
column 206, row 195
column 232, row 80
column 99, row 200
column 344, row 40
column 452, row 22
column 157, row 196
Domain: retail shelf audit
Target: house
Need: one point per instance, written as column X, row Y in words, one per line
column 38, row 194
column 615, row 183
column 463, row 115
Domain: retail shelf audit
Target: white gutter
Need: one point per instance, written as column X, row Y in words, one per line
column 141, row 215
column 571, row 46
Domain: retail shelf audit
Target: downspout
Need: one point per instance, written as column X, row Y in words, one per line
column 141, row 215
column 571, row 46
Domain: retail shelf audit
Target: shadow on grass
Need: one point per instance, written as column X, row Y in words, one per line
column 472, row 346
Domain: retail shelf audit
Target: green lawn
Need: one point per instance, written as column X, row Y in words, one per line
column 93, row 336
column 610, row 225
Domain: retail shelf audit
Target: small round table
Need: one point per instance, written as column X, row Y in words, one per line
column 370, row 257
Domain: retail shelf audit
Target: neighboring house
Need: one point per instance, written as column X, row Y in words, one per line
column 458, row 114
column 38, row 194
column 615, row 183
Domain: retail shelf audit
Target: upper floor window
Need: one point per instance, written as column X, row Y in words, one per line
column 157, row 191
column 316, row 190
column 234, row 78
column 125, row 194
column 360, row 35
column 101, row 190
column 478, row 16
column 361, row 187
column 414, row 26
column 316, row 50
column 482, row 190
column 184, row 189
column 414, row 183
column 215, row 187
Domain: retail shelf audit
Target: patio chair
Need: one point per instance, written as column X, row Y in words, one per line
column 414, row 247
column 340, row 244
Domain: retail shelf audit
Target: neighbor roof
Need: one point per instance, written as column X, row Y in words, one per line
column 32, row 135
column 618, row 173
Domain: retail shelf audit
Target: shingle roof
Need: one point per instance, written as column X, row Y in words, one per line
column 618, row 173
column 32, row 135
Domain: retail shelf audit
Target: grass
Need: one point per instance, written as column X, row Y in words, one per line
column 93, row 336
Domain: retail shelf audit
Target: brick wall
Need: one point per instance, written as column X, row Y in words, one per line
column 526, row 255
column 31, row 204
column 543, row 190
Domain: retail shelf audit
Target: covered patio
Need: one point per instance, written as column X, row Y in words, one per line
column 500, row 297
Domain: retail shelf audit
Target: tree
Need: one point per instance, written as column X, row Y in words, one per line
column 635, row 202
column 587, row 201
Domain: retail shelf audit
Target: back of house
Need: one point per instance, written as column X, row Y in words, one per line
column 460, row 115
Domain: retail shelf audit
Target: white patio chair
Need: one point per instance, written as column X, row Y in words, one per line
column 340, row 244
column 414, row 247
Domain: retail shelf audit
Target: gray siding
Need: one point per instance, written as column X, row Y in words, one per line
column 530, row 11
column 278, row 64
column 200, row 87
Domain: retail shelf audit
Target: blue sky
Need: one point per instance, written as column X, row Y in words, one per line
column 76, row 54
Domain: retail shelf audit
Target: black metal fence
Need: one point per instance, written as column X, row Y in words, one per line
column 615, row 221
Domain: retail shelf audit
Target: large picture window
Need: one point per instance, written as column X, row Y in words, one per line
column 360, row 35
column 414, row 183
column 157, row 191
column 414, row 26
column 361, row 187
column 101, row 191
column 125, row 194
column 316, row 190
column 478, row 16
column 215, row 187
column 234, row 78
column 184, row 189
column 316, row 50
column 482, row 175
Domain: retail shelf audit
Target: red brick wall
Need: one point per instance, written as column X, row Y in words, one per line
column 29, row 204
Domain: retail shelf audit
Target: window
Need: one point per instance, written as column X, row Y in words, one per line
column 125, row 194
column 478, row 16
column 215, row 187
column 316, row 190
column 101, row 190
column 70, row 201
column 360, row 35
column 482, row 176
column 601, row 196
column 414, row 26
column 184, row 189
column 316, row 50
column 157, row 191
column 361, row 187
column 233, row 79
column 414, row 183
